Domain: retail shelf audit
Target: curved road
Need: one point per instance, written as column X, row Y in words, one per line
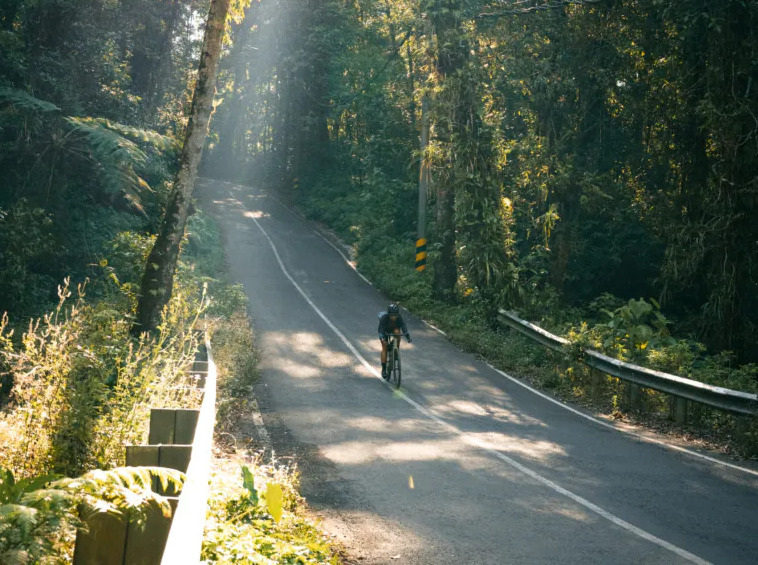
column 464, row 465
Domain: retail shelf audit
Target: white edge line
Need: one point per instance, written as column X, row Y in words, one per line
column 259, row 424
column 612, row 427
column 347, row 260
column 478, row 443
column 641, row 437
column 531, row 389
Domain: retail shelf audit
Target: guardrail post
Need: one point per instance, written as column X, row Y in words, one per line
column 172, row 426
column 680, row 410
column 597, row 380
column 145, row 544
column 104, row 542
column 635, row 396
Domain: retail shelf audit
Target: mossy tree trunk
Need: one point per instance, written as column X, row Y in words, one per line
column 158, row 280
column 452, row 57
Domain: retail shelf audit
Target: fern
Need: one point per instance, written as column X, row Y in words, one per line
column 115, row 159
column 160, row 142
column 21, row 101
column 124, row 491
column 110, row 148
column 36, row 514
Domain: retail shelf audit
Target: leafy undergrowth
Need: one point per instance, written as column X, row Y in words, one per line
column 241, row 527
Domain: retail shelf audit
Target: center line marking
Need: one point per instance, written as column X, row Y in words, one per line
column 474, row 441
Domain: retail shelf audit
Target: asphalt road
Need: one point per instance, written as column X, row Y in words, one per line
column 464, row 465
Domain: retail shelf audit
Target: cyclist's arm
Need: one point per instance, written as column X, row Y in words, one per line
column 382, row 326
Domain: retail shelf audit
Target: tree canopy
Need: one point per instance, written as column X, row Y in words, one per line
column 578, row 147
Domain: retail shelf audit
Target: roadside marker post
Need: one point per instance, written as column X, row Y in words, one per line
column 420, row 254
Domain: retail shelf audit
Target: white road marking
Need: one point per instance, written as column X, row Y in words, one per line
column 545, row 396
column 480, row 444
column 612, row 427
column 350, row 263
column 259, row 425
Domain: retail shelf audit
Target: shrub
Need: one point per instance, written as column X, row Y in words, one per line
column 82, row 389
column 39, row 516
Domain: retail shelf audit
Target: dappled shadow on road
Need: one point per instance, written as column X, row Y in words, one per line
column 380, row 461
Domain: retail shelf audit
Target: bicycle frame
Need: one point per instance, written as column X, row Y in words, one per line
column 393, row 358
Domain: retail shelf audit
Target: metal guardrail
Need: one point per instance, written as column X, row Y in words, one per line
column 186, row 534
column 734, row 401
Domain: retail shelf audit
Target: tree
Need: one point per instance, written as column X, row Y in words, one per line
column 158, row 280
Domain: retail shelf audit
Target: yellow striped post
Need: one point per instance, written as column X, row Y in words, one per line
column 420, row 254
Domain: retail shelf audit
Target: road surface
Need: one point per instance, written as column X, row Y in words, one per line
column 463, row 465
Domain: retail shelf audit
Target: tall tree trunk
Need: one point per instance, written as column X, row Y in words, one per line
column 158, row 280
column 452, row 54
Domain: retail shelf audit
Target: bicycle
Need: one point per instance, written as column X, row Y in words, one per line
column 394, row 369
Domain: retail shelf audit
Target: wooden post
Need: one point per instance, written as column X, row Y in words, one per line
column 680, row 410
column 103, row 543
column 597, row 380
column 170, row 426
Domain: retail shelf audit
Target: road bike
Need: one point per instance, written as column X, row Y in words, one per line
column 394, row 372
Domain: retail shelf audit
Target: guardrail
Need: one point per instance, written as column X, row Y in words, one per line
column 734, row 401
column 179, row 439
column 186, row 535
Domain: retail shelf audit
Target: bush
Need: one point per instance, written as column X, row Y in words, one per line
column 82, row 389
column 26, row 246
column 236, row 358
column 39, row 516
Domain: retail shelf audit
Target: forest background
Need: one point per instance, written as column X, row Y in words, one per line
column 593, row 163
column 593, row 166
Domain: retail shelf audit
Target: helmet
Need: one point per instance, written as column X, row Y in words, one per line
column 393, row 310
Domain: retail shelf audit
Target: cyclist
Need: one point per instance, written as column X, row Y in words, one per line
column 390, row 322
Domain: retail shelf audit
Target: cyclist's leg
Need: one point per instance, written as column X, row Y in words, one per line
column 384, row 358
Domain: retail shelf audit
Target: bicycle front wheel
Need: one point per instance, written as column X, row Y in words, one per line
column 397, row 372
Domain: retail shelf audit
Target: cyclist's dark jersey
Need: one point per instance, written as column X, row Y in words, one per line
column 387, row 326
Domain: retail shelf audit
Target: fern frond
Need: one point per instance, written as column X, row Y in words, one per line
column 121, row 491
column 160, row 142
column 16, row 557
column 12, row 491
column 23, row 518
column 115, row 158
column 22, row 101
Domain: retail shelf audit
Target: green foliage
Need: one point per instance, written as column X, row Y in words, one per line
column 39, row 515
column 81, row 389
column 26, row 244
column 18, row 101
column 236, row 357
column 637, row 325
column 79, row 127
column 240, row 530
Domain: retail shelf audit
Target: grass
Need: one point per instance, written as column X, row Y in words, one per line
column 240, row 527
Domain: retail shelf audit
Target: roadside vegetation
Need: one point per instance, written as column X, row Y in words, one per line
column 256, row 516
column 93, row 101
